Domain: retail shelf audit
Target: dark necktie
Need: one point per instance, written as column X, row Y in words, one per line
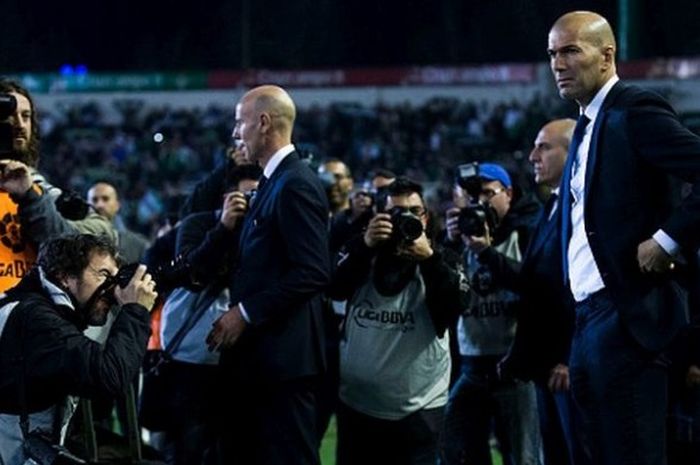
column 572, row 164
column 261, row 183
column 551, row 204
column 576, row 139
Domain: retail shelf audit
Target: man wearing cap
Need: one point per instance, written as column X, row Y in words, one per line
column 485, row 331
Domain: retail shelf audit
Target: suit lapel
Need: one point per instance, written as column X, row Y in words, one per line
column 593, row 153
column 544, row 231
column 593, row 158
column 564, row 213
column 262, row 197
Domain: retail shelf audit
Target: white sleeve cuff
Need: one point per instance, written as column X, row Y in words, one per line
column 244, row 314
column 666, row 242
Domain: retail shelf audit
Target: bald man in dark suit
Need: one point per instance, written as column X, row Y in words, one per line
column 620, row 236
column 272, row 337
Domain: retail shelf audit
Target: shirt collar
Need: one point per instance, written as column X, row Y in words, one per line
column 591, row 111
column 276, row 159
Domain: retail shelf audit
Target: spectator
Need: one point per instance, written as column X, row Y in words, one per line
column 105, row 200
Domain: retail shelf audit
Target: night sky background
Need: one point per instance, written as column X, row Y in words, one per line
column 129, row 35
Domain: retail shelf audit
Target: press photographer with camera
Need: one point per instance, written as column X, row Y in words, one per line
column 44, row 356
column 180, row 409
column 491, row 230
column 403, row 293
column 28, row 203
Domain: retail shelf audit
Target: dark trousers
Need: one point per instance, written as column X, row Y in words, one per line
column 620, row 387
column 270, row 424
column 366, row 440
column 480, row 399
column 563, row 441
column 191, row 437
column 684, row 424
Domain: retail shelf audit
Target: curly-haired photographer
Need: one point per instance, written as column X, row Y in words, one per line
column 44, row 355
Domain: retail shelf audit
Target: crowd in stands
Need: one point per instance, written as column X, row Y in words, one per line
column 155, row 155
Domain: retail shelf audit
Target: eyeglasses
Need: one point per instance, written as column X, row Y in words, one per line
column 417, row 210
column 488, row 194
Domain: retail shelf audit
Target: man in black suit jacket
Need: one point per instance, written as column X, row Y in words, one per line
column 272, row 336
column 620, row 235
column 540, row 351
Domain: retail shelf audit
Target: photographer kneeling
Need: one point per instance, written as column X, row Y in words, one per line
column 44, row 356
column 403, row 292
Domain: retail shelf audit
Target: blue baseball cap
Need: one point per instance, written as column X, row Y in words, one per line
column 494, row 172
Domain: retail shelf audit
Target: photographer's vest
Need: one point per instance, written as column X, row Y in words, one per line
column 53, row 420
column 392, row 363
column 16, row 255
column 487, row 325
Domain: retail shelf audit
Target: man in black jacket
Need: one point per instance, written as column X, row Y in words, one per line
column 43, row 349
column 272, row 336
column 620, row 236
column 403, row 292
column 540, row 351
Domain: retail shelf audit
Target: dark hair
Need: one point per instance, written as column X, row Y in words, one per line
column 70, row 255
column 31, row 157
column 404, row 186
column 328, row 161
column 106, row 181
column 240, row 172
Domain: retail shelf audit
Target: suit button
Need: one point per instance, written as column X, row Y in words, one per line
column 590, row 233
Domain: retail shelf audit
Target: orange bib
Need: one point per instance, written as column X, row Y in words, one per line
column 16, row 255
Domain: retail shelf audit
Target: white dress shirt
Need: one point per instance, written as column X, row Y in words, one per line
column 584, row 275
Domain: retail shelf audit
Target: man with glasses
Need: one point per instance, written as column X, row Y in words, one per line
column 486, row 329
column 403, row 293
column 44, row 355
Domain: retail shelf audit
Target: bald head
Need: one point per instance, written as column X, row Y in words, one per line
column 264, row 121
column 548, row 156
column 582, row 54
column 561, row 129
column 591, row 26
column 276, row 102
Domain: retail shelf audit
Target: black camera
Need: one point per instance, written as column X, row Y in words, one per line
column 407, row 227
column 468, row 179
column 175, row 273
column 474, row 218
column 8, row 105
column 124, row 275
column 71, row 206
